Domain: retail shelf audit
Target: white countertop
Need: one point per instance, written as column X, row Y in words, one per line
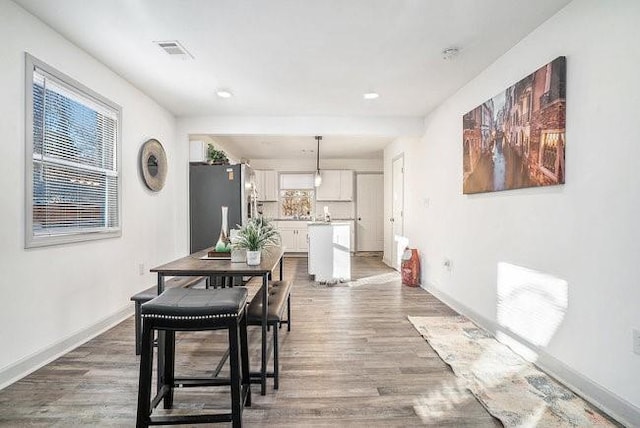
column 312, row 221
column 331, row 223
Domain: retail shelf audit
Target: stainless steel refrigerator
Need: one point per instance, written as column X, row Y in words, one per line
column 210, row 188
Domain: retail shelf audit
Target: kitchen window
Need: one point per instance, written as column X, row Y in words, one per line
column 296, row 195
column 72, row 160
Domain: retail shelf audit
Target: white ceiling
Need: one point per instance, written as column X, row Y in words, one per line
column 303, row 146
column 296, row 57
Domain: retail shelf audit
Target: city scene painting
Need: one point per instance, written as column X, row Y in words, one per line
column 517, row 138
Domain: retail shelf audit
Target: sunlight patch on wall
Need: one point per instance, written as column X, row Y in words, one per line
column 530, row 304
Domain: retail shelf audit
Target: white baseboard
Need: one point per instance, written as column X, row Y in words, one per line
column 33, row 362
column 616, row 407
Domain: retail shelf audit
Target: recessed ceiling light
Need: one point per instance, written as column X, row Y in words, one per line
column 370, row 95
column 223, row 93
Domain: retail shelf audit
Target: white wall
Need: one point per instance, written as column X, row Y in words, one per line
column 585, row 232
column 296, row 165
column 52, row 295
column 301, row 125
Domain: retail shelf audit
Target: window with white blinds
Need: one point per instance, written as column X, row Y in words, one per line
column 73, row 180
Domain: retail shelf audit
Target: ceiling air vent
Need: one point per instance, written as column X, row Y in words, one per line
column 175, row 49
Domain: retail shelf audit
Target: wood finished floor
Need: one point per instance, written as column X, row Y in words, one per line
column 351, row 359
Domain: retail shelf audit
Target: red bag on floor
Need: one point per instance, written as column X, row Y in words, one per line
column 410, row 267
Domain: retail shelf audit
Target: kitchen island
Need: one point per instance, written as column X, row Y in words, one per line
column 329, row 251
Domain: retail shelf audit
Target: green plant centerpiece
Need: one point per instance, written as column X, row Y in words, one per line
column 258, row 234
column 216, row 157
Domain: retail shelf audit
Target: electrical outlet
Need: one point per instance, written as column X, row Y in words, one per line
column 140, row 269
column 636, row 341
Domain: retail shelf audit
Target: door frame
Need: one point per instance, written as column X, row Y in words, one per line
column 397, row 157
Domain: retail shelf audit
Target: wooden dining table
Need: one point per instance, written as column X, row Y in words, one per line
column 214, row 268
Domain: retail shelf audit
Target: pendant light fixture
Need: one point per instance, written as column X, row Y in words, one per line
column 318, row 178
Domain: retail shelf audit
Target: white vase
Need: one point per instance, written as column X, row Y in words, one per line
column 253, row 258
column 223, row 245
column 238, row 256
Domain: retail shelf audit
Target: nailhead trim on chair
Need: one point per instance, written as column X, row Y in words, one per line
column 199, row 317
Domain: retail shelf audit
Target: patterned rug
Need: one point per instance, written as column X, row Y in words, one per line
column 509, row 387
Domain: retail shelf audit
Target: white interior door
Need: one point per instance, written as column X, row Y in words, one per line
column 370, row 212
column 398, row 241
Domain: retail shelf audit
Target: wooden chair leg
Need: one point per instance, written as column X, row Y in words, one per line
column 145, row 378
column 244, row 355
column 275, row 358
column 169, row 367
column 138, row 321
column 234, row 363
column 289, row 312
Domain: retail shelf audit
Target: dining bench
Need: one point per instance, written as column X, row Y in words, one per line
column 279, row 299
column 151, row 293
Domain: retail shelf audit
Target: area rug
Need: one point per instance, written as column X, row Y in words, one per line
column 509, row 387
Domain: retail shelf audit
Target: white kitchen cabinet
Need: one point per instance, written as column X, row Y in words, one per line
column 329, row 189
column 271, row 185
column 337, row 185
column 346, row 185
column 259, row 184
column 294, row 236
column 329, row 251
column 267, row 185
column 288, row 237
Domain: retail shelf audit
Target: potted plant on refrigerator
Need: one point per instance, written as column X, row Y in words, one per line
column 258, row 234
column 216, row 157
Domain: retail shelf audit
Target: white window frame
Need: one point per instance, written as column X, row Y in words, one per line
column 32, row 240
column 295, row 181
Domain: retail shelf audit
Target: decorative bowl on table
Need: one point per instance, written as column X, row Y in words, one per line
column 219, row 255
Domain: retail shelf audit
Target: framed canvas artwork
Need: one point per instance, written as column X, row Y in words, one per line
column 517, row 138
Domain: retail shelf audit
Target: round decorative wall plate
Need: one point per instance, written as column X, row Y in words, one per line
column 153, row 164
